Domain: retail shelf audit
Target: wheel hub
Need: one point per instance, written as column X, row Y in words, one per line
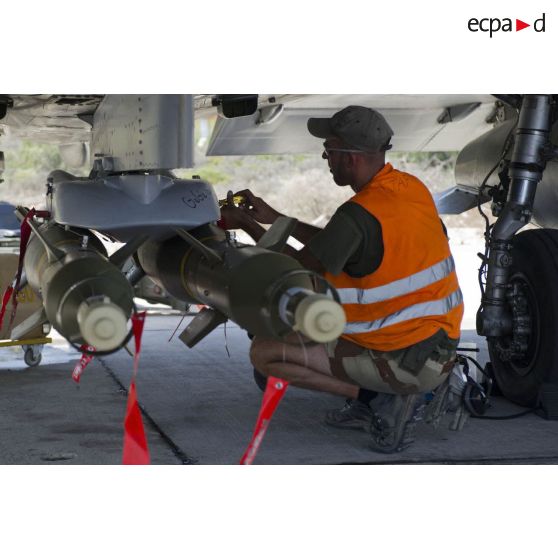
column 519, row 349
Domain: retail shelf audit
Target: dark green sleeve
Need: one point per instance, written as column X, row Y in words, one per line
column 350, row 242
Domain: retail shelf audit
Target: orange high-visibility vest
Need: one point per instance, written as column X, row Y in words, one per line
column 415, row 291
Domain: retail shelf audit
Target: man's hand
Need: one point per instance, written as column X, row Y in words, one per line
column 257, row 209
column 233, row 217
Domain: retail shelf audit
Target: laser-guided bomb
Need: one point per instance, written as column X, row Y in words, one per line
column 85, row 297
column 89, row 299
column 265, row 292
column 508, row 146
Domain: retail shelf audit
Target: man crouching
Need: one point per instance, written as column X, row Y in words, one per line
column 386, row 252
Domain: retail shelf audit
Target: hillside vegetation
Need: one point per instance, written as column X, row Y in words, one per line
column 298, row 185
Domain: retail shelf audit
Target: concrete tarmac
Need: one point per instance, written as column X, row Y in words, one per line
column 200, row 406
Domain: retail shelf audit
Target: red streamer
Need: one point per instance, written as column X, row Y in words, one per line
column 12, row 291
column 5, row 300
column 25, row 233
column 135, row 450
column 274, row 391
column 83, row 362
column 138, row 321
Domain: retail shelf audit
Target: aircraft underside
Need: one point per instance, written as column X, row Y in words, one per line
column 168, row 225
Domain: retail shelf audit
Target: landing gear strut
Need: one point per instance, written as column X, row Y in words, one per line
column 519, row 309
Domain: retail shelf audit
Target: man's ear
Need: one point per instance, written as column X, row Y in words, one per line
column 353, row 159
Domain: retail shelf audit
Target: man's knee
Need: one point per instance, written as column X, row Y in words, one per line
column 254, row 354
column 264, row 352
column 259, row 354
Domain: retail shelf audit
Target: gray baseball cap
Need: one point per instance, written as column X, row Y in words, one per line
column 360, row 127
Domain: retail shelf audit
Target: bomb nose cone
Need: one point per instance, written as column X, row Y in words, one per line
column 325, row 322
column 320, row 318
column 102, row 324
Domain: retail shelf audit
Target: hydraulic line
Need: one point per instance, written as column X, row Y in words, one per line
column 525, row 172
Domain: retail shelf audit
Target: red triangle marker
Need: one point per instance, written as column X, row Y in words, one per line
column 519, row 25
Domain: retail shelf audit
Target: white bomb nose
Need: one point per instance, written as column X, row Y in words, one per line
column 320, row 318
column 102, row 324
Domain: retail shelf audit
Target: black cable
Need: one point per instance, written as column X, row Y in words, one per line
column 481, row 369
column 488, row 226
column 111, row 351
column 102, row 353
column 506, row 417
column 487, row 395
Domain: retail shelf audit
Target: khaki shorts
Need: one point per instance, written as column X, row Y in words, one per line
column 382, row 371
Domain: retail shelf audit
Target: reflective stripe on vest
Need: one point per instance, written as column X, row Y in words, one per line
column 421, row 310
column 400, row 287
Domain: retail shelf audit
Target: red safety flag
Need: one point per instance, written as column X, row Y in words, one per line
column 5, row 300
column 138, row 321
column 12, row 291
column 274, row 391
column 82, row 363
column 25, row 233
column 135, row 450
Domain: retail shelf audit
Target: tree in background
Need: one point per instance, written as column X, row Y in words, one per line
column 27, row 166
column 298, row 185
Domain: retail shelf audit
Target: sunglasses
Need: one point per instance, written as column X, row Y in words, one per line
column 328, row 150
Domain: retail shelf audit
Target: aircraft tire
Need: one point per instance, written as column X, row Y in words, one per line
column 535, row 269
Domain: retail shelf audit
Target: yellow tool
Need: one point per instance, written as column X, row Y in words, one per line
column 237, row 200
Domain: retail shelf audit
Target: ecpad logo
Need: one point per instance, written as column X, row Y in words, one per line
column 494, row 24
